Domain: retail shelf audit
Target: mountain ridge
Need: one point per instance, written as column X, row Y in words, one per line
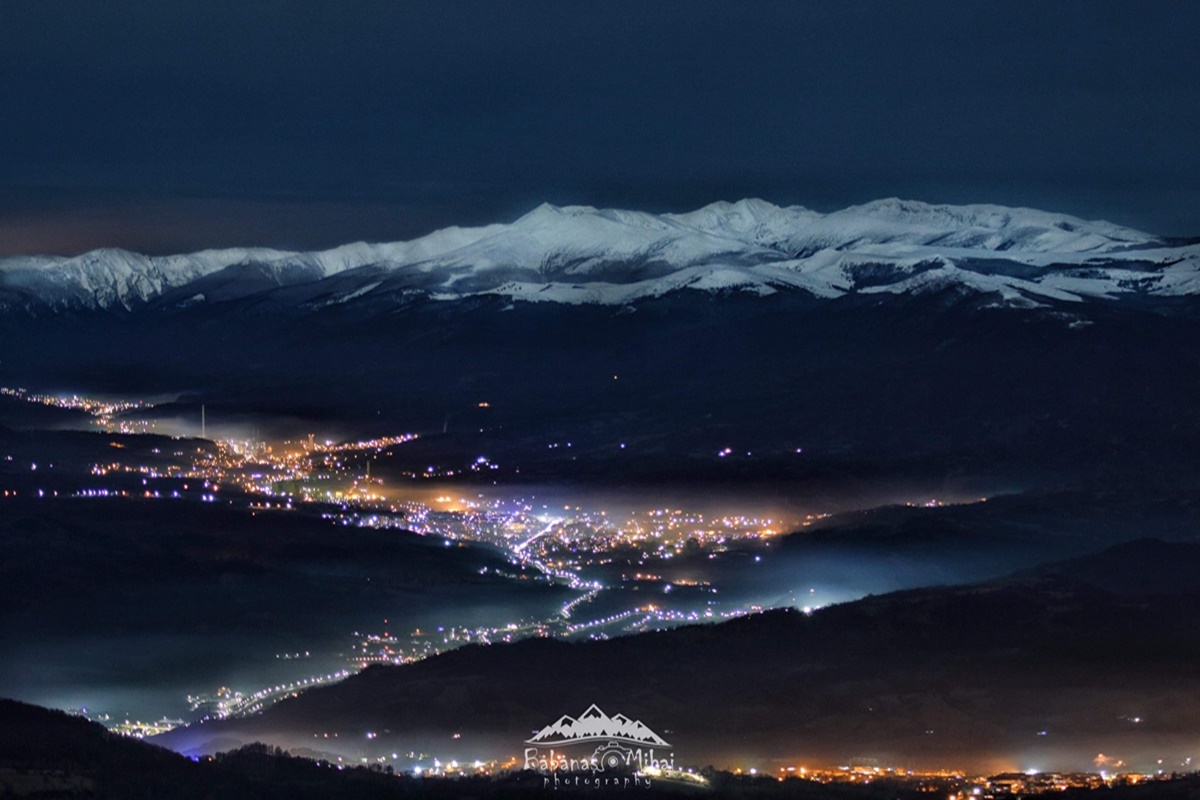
column 1026, row 258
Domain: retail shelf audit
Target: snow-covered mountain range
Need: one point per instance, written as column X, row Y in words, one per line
column 1012, row 257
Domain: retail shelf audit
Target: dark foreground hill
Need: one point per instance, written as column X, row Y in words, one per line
column 1047, row 668
column 50, row 754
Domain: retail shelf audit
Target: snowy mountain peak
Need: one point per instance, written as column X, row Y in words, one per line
column 547, row 212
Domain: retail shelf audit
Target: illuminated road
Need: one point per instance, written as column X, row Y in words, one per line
column 517, row 550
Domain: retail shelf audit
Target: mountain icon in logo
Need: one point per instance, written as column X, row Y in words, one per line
column 594, row 725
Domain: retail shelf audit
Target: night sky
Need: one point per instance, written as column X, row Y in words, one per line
column 170, row 126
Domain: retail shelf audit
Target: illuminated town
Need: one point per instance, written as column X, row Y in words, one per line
column 108, row 415
column 585, row 549
column 560, row 544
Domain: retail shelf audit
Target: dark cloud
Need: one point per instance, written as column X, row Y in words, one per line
column 161, row 126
